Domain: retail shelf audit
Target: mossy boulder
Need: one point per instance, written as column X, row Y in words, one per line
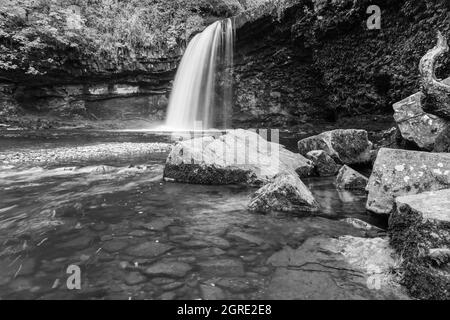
column 419, row 230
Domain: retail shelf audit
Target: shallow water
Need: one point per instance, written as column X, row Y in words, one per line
column 115, row 221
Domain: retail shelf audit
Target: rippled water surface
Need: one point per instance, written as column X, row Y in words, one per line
column 136, row 236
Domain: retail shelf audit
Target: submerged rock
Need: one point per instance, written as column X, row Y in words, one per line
column 415, row 124
column 78, row 243
column 347, row 146
column 246, row 237
column 420, row 231
column 158, row 224
column 210, row 292
column 359, row 224
column 222, row 267
column 149, row 249
column 236, row 285
column 114, row 245
column 348, row 178
column 218, row 242
column 343, row 268
column 169, row 269
column 401, row 172
column 286, row 193
column 324, row 165
column 134, row 278
column 240, row 156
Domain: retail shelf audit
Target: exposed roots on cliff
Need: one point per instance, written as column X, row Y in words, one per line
column 437, row 93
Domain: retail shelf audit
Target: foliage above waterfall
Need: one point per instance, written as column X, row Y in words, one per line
column 37, row 36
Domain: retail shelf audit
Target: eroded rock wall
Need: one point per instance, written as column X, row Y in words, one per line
column 318, row 60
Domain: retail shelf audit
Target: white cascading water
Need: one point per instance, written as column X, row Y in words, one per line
column 202, row 91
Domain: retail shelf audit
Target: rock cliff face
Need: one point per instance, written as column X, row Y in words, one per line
column 317, row 59
column 72, row 76
column 90, row 87
column 295, row 61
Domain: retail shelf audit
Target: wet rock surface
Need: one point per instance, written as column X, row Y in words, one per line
column 238, row 157
column 158, row 224
column 169, row 269
column 415, row 124
column 324, row 165
column 419, row 228
column 286, row 193
column 316, row 270
column 346, row 146
column 210, row 292
column 134, row 278
column 246, row 237
column 350, row 179
column 433, row 205
column 401, row 172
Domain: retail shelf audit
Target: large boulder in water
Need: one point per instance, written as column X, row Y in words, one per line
column 286, row 193
column 419, row 230
column 237, row 157
column 402, row 172
column 348, row 178
column 324, row 164
column 415, row 124
column 347, row 146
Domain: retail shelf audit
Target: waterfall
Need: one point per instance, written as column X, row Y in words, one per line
column 202, row 92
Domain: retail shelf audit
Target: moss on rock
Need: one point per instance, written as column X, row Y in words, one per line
column 413, row 236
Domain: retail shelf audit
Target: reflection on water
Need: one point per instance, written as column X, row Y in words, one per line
column 117, row 221
column 341, row 203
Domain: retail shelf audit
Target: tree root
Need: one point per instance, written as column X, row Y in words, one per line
column 437, row 94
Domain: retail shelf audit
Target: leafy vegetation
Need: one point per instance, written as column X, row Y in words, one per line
column 372, row 69
column 38, row 36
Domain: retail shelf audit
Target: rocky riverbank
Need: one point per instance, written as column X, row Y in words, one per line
column 80, row 154
column 396, row 173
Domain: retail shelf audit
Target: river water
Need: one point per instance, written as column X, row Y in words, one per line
column 135, row 236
